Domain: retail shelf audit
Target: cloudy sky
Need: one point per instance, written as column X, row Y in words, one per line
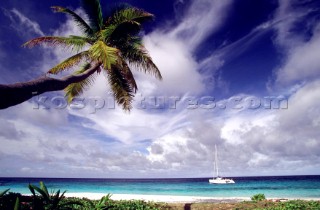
column 240, row 74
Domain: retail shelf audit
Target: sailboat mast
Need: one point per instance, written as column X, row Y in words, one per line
column 216, row 161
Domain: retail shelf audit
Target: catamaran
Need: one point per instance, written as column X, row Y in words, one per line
column 217, row 179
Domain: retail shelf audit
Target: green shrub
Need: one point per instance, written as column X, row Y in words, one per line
column 301, row 205
column 132, row 205
column 258, row 197
column 55, row 201
column 9, row 200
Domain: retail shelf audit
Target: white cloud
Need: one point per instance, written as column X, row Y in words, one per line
column 172, row 49
column 285, row 18
column 177, row 65
column 23, row 24
column 288, row 136
column 203, row 17
column 178, row 143
column 303, row 62
column 281, row 141
column 9, row 131
column 302, row 59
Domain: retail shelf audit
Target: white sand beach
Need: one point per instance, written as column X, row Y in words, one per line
column 173, row 199
column 160, row 198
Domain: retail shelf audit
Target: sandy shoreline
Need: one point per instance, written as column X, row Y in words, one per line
column 171, row 198
column 159, row 198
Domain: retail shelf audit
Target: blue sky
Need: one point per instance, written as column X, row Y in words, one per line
column 222, row 62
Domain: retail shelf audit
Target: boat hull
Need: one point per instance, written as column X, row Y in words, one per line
column 221, row 181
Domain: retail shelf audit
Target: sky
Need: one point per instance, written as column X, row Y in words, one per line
column 240, row 74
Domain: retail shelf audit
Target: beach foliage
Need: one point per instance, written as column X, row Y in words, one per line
column 54, row 201
column 107, row 203
column 9, row 200
column 258, row 197
column 132, row 205
column 88, row 204
column 296, row 205
column 2, row 193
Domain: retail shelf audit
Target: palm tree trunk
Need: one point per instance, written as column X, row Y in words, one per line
column 17, row 93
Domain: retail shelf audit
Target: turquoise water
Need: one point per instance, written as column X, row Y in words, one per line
column 286, row 187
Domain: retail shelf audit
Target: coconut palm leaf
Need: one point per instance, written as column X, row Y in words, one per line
column 138, row 56
column 69, row 62
column 76, row 89
column 106, row 33
column 80, row 22
column 131, row 14
column 76, row 43
column 111, row 10
column 93, row 9
column 114, row 33
column 104, row 54
column 122, row 90
column 127, row 74
column 125, row 22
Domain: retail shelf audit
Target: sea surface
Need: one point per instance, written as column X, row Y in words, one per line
column 271, row 186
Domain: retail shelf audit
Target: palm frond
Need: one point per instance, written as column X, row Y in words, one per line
column 139, row 57
column 76, row 43
column 80, row 22
column 113, row 9
column 93, row 9
column 125, row 22
column 126, row 72
column 106, row 33
column 132, row 14
column 114, row 33
column 122, row 91
column 69, row 62
column 104, row 54
column 75, row 89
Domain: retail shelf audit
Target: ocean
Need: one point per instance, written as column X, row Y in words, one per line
column 271, row 186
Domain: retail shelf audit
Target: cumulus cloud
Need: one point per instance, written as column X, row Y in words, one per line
column 267, row 140
column 280, row 138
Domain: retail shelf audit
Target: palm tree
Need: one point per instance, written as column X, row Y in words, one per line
column 111, row 44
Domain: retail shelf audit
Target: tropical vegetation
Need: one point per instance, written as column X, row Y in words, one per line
column 111, row 43
column 41, row 199
column 258, row 197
